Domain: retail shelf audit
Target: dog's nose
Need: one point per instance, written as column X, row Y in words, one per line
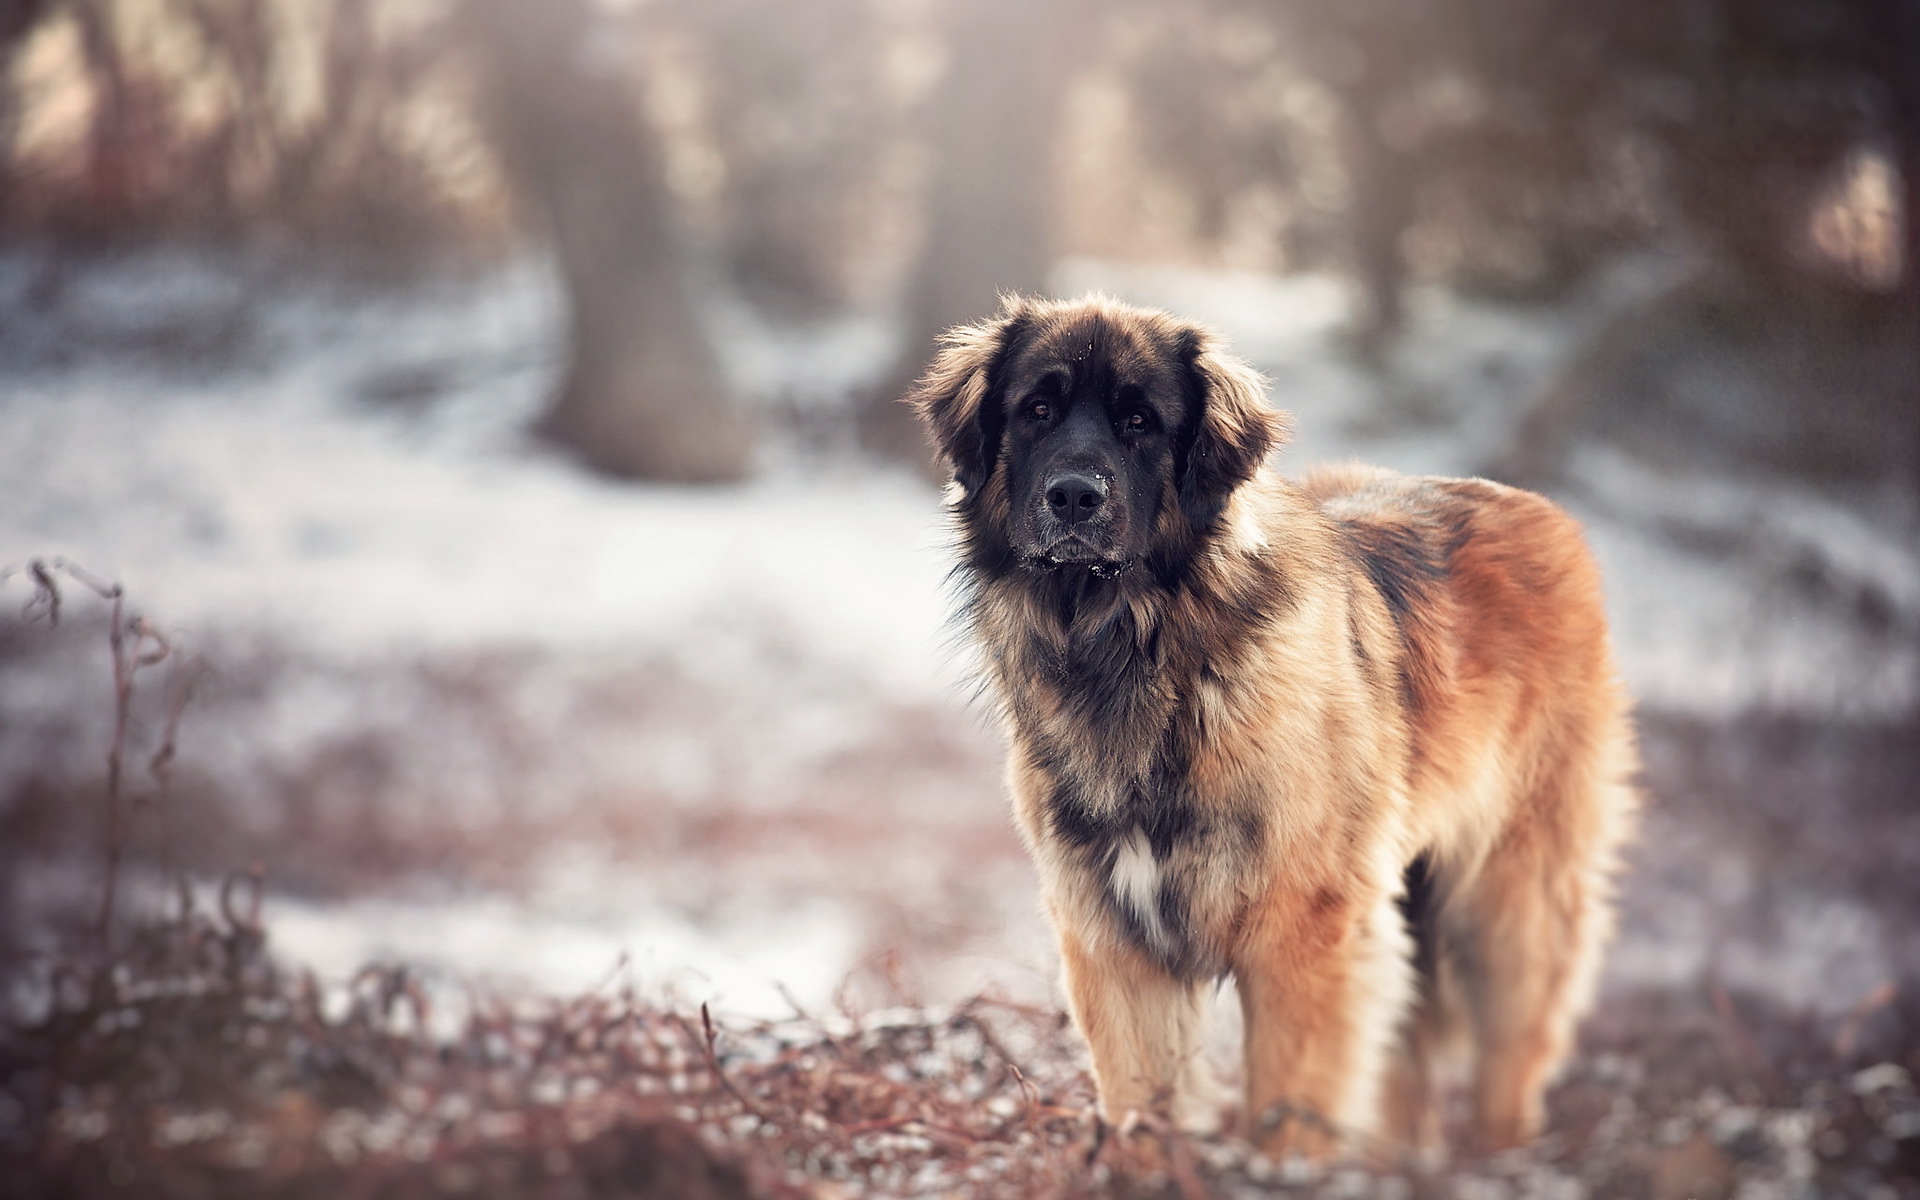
column 1074, row 498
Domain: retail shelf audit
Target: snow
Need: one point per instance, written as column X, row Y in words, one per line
column 359, row 496
column 493, row 941
column 268, row 501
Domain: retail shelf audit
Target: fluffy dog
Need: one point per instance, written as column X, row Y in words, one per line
column 1356, row 742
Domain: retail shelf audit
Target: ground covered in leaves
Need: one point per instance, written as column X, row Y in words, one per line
column 190, row 1065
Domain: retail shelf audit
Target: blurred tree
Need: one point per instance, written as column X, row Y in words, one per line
column 990, row 128
column 1497, row 145
column 18, row 19
column 224, row 118
column 111, row 184
column 1772, row 97
column 643, row 395
column 802, row 123
column 1896, row 35
column 1374, row 48
column 1214, row 96
column 1511, row 143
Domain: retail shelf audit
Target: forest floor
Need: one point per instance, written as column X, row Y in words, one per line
column 586, row 839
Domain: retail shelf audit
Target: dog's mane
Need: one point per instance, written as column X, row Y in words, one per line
column 1123, row 652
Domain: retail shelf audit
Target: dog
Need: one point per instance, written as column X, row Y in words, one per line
column 1356, row 742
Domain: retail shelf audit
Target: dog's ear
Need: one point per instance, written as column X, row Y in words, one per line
column 958, row 395
column 1229, row 430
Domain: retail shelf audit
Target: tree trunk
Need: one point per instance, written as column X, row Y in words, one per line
column 1898, row 30
column 111, row 194
column 991, row 125
column 643, row 395
column 18, row 20
column 1382, row 209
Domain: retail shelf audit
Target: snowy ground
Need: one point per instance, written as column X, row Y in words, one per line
column 481, row 712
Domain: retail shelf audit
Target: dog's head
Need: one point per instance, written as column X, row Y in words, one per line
column 1089, row 435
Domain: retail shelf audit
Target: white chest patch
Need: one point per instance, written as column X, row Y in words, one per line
column 1136, row 884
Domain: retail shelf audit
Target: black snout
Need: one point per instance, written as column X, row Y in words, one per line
column 1074, row 498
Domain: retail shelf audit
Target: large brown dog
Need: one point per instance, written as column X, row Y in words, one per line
column 1356, row 742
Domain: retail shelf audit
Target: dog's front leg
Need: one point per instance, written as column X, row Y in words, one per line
column 1324, row 981
column 1145, row 1029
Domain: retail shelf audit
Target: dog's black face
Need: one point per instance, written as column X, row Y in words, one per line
column 1088, row 436
column 1092, row 416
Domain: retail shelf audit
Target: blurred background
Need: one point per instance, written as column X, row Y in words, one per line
column 491, row 406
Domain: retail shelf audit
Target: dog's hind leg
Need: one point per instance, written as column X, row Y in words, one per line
column 1529, row 932
column 1410, row 1112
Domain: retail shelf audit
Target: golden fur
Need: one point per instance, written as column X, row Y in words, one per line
column 1356, row 742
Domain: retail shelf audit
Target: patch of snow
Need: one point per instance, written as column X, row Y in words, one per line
column 1821, row 954
column 812, row 364
column 748, row 968
column 278, row 500
column 1707, row 579
column 1263, row 318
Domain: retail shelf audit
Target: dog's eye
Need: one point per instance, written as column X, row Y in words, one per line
column 1138, row 421
column 1039, row 410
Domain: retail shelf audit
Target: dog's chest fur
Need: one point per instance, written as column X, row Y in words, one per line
column 1104, row 722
